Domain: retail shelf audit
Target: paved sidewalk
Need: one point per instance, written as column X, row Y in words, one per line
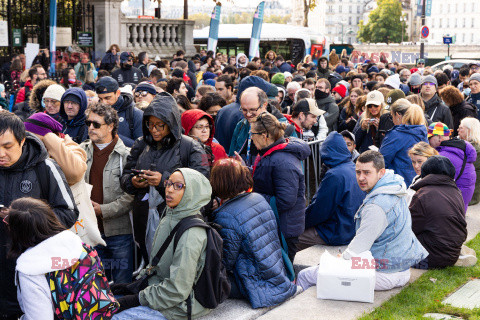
column 307, row 306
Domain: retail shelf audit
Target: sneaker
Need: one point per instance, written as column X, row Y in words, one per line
column 466, row 261
column 467, row 251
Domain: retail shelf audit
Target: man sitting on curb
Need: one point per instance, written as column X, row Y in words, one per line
column 383, row 226
column 329, row 218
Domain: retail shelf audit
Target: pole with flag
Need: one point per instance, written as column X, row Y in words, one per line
column 53, row 35
column 256, row 31
column 214, row 24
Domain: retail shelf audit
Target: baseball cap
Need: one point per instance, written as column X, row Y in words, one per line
column 145, row 86
column 348, row 134
column 394, row 95
column 308, row 106
column 374, row 97
column 438, row 129
column 340, row 69
column 124, row 57
column 421, row 61
column 106, row 85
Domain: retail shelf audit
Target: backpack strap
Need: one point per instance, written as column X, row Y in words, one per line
column 165, row 245
column 43, row 177
column 130, row 118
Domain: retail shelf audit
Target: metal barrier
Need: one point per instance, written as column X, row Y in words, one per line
column 312, row 169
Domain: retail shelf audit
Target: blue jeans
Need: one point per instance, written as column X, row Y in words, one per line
column 117, row 257
column 139, row 313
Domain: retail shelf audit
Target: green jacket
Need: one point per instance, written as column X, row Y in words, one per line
column 116, row 203
column 178, row 270
column 476, row 193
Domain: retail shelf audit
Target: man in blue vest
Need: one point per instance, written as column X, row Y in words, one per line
column 383, row 226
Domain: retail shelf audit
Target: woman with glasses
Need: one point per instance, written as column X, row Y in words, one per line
column 199, row 125
column 186, row 192
column 162, row 149
column 365, row 130
column 278, row 175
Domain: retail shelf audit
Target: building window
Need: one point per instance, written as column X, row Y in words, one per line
column 473, row 22
column 456, row 23
column 448, row 23
column 358, row 20
column 340, row 9
column 456, row 7
column 472, row 38
column 350, row 20
column 349, row 9
column 358, row 9
column 441, row 23
column 464, row 22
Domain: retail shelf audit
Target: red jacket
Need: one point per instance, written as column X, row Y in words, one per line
column 21, row 92
column 190, row 117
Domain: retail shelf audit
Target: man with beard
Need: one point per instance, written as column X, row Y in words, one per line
column 304, row 115
column 127, row 72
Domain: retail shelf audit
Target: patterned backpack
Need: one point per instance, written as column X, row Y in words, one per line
column 82, row 292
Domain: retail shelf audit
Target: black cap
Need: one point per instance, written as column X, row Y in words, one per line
column 73, row 98
column 106, row 85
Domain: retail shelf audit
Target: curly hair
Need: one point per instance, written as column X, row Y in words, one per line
column 108, row 113
column 451, row 96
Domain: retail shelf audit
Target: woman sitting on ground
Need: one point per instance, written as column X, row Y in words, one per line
column 251, row 247
column 186, row 192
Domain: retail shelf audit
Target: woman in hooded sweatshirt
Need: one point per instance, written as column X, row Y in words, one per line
column 278, row 175
column 42, row 245
column 186, row 192
column 162, row 149
column 199, row 125
column 409, row 129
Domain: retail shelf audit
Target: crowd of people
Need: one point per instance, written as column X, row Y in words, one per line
column 226, row 140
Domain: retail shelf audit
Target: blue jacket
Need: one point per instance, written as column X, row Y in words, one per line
column 397, row 247
column 75, row 128
column 279, row 174
column 395, row 148
column 228, row 117
column 124, row 104
column 251, row 250
column 338, row 198
column 285, row 67
column 474, row 99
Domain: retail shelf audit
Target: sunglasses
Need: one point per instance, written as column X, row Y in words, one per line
column 176, row 185
column 96, row 125
column 142, row 93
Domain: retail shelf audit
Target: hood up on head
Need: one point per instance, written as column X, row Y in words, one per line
column 190, row 117
column 334, row 151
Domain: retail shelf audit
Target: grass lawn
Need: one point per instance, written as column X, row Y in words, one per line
column 424, row 296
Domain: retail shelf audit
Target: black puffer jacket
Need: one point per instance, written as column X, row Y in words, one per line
column 18, row 181
column 436, row 111
column 460, row 111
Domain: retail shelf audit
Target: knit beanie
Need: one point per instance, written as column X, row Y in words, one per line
column 54, row 92
column 278, row 78
column 341, row 90
column 41, row 124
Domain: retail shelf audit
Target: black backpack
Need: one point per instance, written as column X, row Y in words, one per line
column 212, row 287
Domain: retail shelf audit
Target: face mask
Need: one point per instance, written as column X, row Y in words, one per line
column 43, row 104
column 320, row 94
column 72, row 81
column 467, row 91
column 415, row 90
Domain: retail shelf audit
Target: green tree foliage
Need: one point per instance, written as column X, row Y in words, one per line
column 277, row 19
column 244, row 17
column 201, row 19
column 383, row 23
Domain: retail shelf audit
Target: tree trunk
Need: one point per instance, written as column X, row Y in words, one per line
column 306, row 8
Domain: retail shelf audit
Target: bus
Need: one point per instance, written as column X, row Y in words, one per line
column 292, row 42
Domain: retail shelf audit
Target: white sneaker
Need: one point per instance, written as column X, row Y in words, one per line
column 466, row 261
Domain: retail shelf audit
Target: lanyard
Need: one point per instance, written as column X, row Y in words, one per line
column 248, row 147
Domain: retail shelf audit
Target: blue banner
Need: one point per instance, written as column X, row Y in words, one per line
column 53, row 35
column 214, row 24
column 256, row 31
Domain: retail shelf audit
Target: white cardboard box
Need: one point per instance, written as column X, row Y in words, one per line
column 337, row 280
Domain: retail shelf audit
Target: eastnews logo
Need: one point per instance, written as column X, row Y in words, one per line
column 393, row 56
column 108, row 264
column 384, row 264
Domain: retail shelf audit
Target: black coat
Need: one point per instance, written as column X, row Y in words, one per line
column 438, row 219
column 18, row 181
column 461, row 111
column 436, row 110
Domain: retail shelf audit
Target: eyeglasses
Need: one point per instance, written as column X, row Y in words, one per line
column 157, row 126
column 260, row 118
column 251, row 111
column 176, row 185
column 130, row 59
column 429, row 84
column 254, row 133
column 142, row 93
column 50, row 101
column 96, row 125
column 201, row 128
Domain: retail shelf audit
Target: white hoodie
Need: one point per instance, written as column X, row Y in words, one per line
column 33, row 291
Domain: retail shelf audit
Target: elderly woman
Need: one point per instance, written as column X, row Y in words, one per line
column 162, row 149
column 469, row 130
